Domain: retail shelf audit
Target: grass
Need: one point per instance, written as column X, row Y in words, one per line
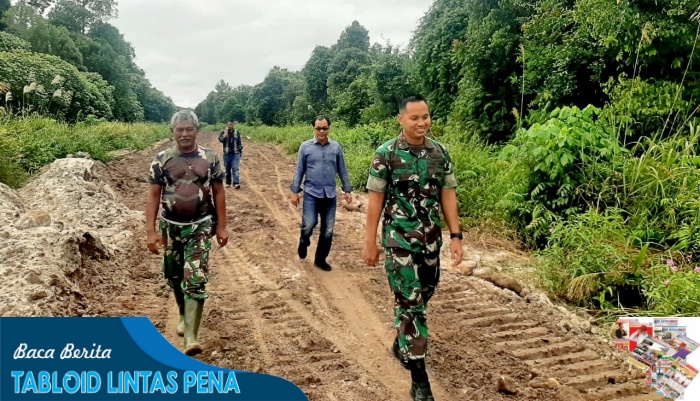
column 28, row 144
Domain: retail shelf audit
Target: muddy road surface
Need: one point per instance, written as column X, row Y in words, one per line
column 329, row 332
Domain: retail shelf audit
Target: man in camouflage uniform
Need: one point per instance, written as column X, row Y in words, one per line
column 409, row 180
column 187, row 180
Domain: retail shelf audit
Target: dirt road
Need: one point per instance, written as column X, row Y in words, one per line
column 329, row 332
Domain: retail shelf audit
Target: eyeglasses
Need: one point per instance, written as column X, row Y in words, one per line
column 322, row 129
column 189, row 130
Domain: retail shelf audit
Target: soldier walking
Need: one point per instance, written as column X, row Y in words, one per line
column 187, row 180
column 410, row 179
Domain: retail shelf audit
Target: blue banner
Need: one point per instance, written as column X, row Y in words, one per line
column 116, row 359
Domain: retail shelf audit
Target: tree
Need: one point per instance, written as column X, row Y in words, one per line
column 392, row 79
column 56, row 40
column 79, row 16
column 344, row 68
column 47, row 84
column 352, row 102
column 12, row 43
column 315, row 74
column 111, row 35
column 355, row 36
column 234, row 104
column 272, row 97
column 99, row 56
column 19, row 18
column 206, row 109
column 491, row 75
column 443, row 26
column 578, row 48
column 222, row 86
column 4, row 6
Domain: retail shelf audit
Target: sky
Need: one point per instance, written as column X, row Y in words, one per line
column 186, row 46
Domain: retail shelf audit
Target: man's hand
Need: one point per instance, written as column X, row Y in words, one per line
column 221, row 236
column 456, row 251
column 294, row 199
column 371, row 254
column 348, row 198
column 154, row 242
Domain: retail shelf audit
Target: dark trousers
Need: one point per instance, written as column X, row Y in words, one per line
column 313, row 208
column 231, row 165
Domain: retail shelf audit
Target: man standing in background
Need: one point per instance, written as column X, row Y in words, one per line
column 320, row 160
column 233, row 150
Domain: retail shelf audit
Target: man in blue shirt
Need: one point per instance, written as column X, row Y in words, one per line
column 320, row 160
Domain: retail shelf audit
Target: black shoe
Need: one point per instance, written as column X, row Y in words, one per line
column 397, row 354
column 421, row 392
column 323, row 265
column 301, row 251
column 237, row 186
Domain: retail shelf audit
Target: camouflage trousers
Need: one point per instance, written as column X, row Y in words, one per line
column 186, row 258
column 413, row 277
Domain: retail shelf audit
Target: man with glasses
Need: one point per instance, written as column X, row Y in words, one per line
column 187, row 180
column 320, row 160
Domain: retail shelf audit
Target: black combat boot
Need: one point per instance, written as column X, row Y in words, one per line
column 421, row 392
column 420, row 388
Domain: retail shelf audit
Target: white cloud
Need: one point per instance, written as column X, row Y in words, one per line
column 186, row 46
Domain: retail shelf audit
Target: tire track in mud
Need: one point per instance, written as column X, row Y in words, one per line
column 533, row 338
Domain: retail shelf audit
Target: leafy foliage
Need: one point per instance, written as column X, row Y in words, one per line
column 46, row 84
column 565, row 161
column 12, row 43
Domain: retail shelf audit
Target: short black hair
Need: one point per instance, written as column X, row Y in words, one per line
column 319, row 118
column 410, row 99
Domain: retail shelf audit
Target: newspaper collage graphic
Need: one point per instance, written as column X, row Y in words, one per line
column 660, row 347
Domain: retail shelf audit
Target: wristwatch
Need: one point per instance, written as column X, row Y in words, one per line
column 456, row 235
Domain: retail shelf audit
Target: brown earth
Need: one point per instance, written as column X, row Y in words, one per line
column 327, row 332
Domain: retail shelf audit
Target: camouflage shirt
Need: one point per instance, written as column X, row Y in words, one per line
column 411, row 179
column 186, row 195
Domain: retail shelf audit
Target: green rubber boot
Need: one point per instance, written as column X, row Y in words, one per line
column 193, row 316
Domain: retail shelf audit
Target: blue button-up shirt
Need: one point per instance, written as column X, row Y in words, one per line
column 320, row 164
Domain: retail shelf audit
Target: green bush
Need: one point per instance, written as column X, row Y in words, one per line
column 12, row 43
column 565, row 163
column 46, row 84
column 672, row 288
column 638, row 107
